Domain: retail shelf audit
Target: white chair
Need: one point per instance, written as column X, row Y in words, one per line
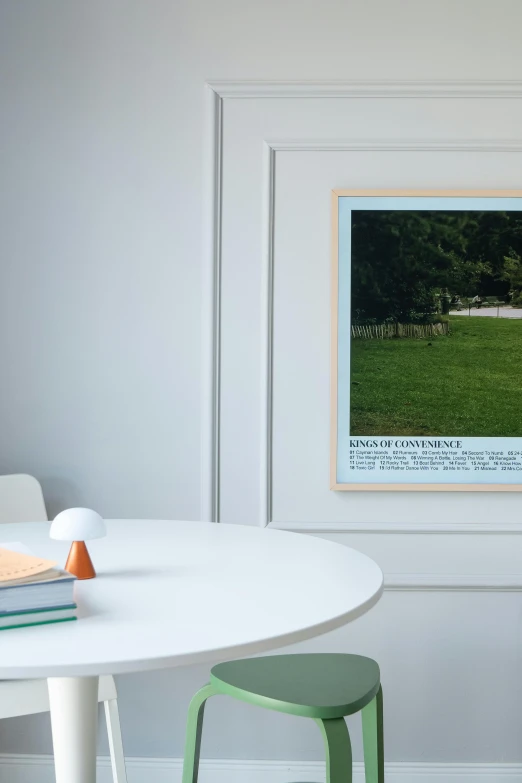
column 21, row 500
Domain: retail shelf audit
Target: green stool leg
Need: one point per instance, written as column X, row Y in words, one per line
column 194, row 728
column 373, row 739
column 338, row 750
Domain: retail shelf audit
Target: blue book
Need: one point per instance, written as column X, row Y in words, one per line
column 53, row 588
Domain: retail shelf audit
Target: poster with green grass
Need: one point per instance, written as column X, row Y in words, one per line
column 427, row 340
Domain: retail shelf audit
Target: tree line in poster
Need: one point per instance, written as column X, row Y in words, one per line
column 403, row 261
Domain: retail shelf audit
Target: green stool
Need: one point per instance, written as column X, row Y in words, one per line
column 324, row 687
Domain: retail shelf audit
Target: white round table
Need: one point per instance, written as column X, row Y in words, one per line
column 177, row 593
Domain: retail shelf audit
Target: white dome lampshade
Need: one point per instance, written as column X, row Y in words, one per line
column 78, row 525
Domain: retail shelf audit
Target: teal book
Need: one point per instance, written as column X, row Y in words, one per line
column 62, row 614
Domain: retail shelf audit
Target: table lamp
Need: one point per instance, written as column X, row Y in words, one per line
column 78, row 525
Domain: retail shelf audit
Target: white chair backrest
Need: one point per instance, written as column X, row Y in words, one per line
column 21, row 499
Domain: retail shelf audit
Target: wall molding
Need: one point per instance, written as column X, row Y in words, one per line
column 453, row 583
column 211, row 309
column 368, row 89
column 397, row 145
column 373, row 146
column 267, row 332
column 217, row 94
column 40, row 769
column 326, row 528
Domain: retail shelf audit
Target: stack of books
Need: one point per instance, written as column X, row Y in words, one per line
column 32, row 590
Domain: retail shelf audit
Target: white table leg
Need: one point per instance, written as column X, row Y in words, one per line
column 74, row 718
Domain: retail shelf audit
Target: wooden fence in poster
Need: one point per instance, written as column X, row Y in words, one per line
column 389, row 331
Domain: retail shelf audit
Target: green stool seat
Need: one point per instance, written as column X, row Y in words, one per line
column 324, row 687
column 313, row 686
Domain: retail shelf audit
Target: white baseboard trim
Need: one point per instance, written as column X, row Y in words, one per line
column 39, row 769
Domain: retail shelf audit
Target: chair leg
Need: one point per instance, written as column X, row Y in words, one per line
column 194, row 729
column 338, row 750
column 112, row 719
column 373, row 739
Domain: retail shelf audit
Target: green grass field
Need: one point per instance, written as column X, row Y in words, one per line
column 466, row 384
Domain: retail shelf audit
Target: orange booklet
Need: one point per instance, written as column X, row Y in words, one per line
column 16, row 565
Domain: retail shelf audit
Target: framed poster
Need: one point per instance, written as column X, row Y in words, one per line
column 426, row 340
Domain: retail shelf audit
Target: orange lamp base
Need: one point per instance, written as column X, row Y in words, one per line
column 79, row 562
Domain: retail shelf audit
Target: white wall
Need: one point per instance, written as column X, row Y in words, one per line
column 102, row 196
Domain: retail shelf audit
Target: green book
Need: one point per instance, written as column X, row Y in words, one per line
column 38, row 617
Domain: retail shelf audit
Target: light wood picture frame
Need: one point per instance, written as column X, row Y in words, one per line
column 500, row 472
